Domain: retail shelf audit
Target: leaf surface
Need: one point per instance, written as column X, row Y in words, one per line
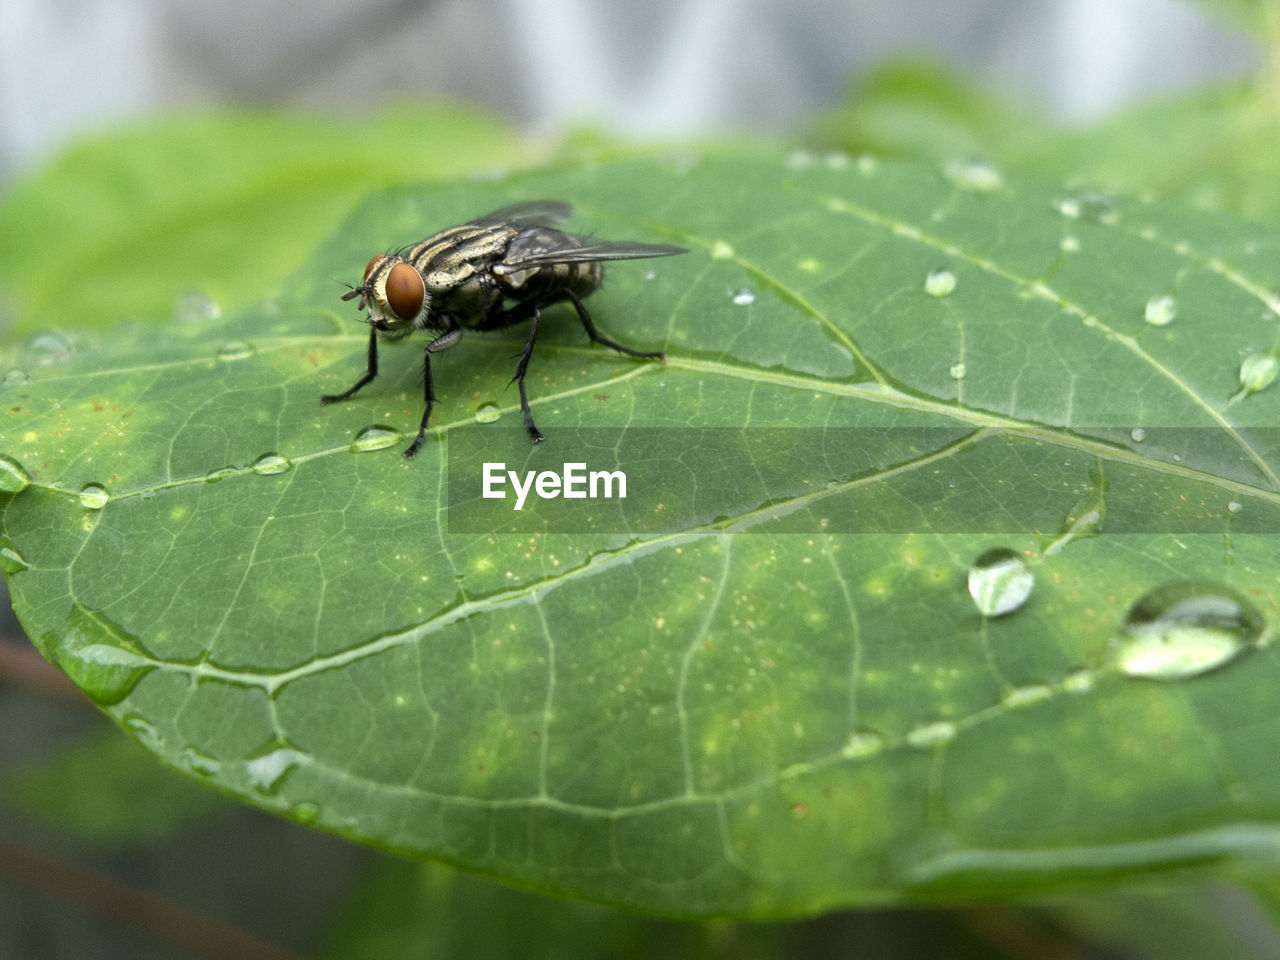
column 760, row 684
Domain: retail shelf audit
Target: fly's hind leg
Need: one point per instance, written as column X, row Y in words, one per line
column 522, row 368
column 597, row 337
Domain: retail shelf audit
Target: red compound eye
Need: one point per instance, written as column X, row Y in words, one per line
column 405, row 291
column 369, row 268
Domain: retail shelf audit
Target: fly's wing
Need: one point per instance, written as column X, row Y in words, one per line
column 538, row 248
column 532, row 213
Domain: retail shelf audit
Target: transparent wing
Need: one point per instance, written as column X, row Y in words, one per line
column 531, row 213
column 538, row 248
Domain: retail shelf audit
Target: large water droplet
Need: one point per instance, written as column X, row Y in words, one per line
column 11, row 560
column 269, row 464
column 1000, row 582
column 1161, row 311
column 959, row 371
column 977, row 175
column 374, row 438
column 13, row 477
column 1257, row 372
column 99, row 656
column 16, row 377
column 744, row 297
column 488, row 413
column 94, row 496
column 47, row 348
column 939, row 283
column 1185, row 628
column 1138, row 434
column 195, row 307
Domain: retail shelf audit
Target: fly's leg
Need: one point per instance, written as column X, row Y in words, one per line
column 442, row 342
column 597, row 337
column 369, row 374
column 521, row 368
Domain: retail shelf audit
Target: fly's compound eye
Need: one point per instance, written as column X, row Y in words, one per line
column 404, row 291
column 373, row 265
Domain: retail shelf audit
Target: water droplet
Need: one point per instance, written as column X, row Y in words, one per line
column 99, row 656
column 1021, row 697
column 11, row 560
column 1161, row 311
column 799, row 160
column 932, row 735
column 722, row 251
column 1000, row 582
column 235, row 350
column 1138, row 434
column 200, row 763
column 1235, row 506
column 1185, row 628
column 939, row 283
column 862, row 744
column 1081, row 681
column 305, row 812
column 1089, row 206
column 94, row 496
column 213, row 476
column 1257, row 371
column 374, row 438
column 809, row 265
column 867, row 164
column 744, row 298
column 488, row 413
column 13, row 477
column 268, row 771
column 16, row 377
column 650, row 274
column 269, row 464
column 195, row 307
column 144, row 731
column 1070, row 244
column 977, row 175
column 958, row 371
column 47, row 348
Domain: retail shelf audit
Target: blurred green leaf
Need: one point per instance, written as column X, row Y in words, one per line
column 220, row 205
column 715, row 697
column 1214, row 149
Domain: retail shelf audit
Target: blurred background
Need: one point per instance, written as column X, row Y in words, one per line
column 190, row 155
column 640, row 68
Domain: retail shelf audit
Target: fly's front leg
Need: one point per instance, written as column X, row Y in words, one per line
column 442, row 342
column 597, row 337
column 370, row 372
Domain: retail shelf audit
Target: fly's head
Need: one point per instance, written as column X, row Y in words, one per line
column 393, row 293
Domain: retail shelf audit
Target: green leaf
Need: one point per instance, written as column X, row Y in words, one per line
column 202, row 213
column 759, row 685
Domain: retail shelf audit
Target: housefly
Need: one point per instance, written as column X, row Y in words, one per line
column 492, row 272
